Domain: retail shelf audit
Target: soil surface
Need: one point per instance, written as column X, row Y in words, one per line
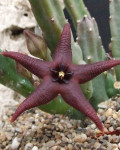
column 36, row 130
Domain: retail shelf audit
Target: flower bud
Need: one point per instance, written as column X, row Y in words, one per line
column 36, row 45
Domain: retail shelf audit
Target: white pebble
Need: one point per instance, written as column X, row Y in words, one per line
column 97, row 145
column 28, row 146
column 35, row 148
column 15, row 143
column 115, row 116
column 115, row 149
column 80, row 138
column 93, row 126
column 109, row 112
column 111, row 129
column 115, row 146
column 50, row 143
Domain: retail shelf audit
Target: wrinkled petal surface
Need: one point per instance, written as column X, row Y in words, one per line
column 45, row 92
column 36, row 66
column 73, row 95
column 84, row 73
column 63, row 51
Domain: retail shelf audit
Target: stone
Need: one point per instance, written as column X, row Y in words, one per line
column 109, row 112
column 15, row 143
column 119, row 145
column 50, row 143
column 28, row 146
column 115, row 116
column 55, row 148
column 93, row 126
column 97, row 145
column 80, row 138
column 35, row 148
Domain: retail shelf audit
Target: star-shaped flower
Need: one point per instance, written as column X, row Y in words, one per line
column 60, row 76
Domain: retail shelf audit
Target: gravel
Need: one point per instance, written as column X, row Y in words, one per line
column 37, row 130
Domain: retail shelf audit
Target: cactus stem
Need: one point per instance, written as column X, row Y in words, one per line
column 71, row 6
column 91, row 46
column 76, row 10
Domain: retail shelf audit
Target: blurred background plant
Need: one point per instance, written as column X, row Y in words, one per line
column 86, row 48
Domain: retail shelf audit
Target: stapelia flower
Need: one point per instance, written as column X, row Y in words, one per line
column 60, row 76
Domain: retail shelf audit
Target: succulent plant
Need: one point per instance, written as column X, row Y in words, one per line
column 87, row 49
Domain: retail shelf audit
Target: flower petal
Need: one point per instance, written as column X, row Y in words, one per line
column 36, row 66
column 84, row 73
column 42, row 95
column 63, row 51
column 73, row 95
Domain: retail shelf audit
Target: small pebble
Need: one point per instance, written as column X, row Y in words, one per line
column 111, row 129
column 35, row 148
column 55, row 148
column 93, row 126
column 97, row 145
column 115, row 146
column 115, row 116
column 109, row 112
column 28, row 146
column 80, row 138
column 50, row 143
column 15, row 143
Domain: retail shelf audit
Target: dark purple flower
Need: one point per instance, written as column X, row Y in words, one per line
column 61, row 76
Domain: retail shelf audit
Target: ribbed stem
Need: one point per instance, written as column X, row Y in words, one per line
column 115, row 32
column 92, row 49
column 50, row 18
column 10, row 78
column 76, row 9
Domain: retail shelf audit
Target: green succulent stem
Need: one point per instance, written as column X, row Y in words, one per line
column 109, row 84
column 76, row 9
column 115, row 32
column 10, row 78
column 50, row 18
column 92, row 49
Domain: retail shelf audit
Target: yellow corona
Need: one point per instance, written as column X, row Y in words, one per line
column 61, row 74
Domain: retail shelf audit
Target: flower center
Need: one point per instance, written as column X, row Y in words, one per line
column 61, row 74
